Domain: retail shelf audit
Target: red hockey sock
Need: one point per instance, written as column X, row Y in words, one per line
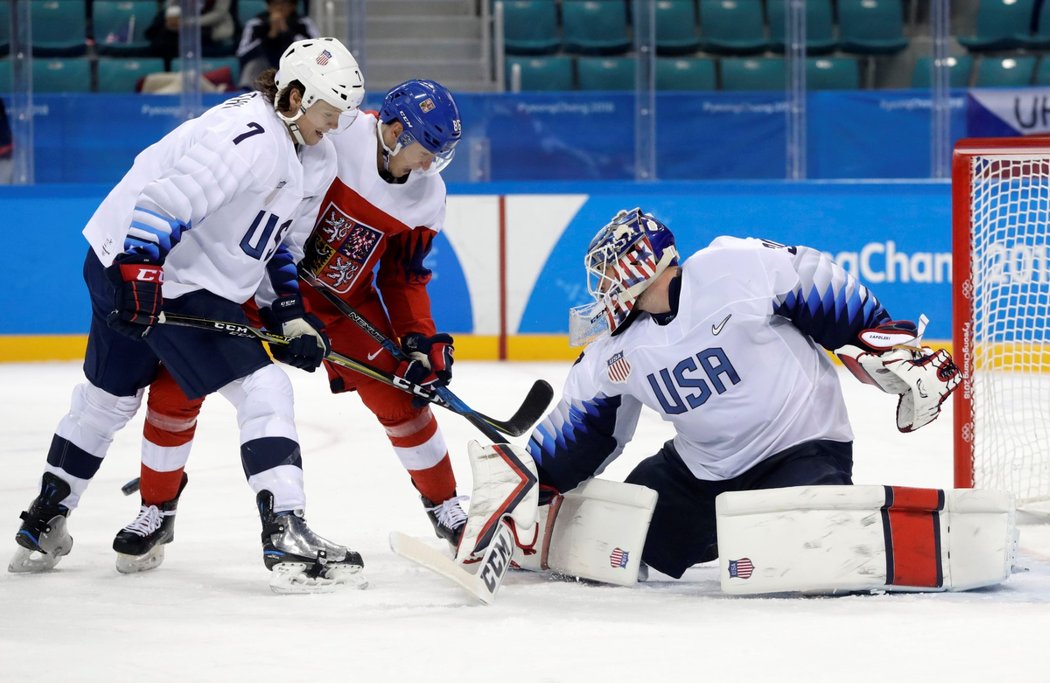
column 436, row 483
column 159, row 487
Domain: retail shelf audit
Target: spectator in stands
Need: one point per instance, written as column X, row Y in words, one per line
column 216, row 24
column 6, row 147
column 268, row 34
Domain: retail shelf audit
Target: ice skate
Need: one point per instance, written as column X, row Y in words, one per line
column 302, row 561
column 448, row 519
column 43, row 536
column 140, row 545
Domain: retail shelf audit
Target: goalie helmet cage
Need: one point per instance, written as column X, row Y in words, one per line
column 1001, row 315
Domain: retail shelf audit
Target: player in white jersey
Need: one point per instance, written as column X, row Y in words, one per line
column 212, row 214
column 375, row 227
column 729, row 348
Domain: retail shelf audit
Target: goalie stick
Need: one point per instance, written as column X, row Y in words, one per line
column 530, row 411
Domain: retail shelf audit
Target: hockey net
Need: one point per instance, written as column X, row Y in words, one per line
column 1001, row 316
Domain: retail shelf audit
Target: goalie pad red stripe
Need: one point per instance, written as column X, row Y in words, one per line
column 528, row 480
column 911, row 524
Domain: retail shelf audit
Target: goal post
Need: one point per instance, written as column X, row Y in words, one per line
column 1001, row 314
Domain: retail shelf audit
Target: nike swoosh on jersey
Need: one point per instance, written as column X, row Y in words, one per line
column 375, row 353
column 715, row 329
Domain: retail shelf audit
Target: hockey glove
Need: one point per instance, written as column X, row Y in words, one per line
column 429, row 361
column 137, row 294
column 897, row 364
column 308, row 343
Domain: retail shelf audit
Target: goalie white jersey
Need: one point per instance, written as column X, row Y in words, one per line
column 217, row 199
column 738, row 370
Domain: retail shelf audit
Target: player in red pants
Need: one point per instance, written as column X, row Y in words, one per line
column 376, row 226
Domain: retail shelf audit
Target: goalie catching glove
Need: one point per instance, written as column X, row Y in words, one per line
column 894, row 360
column 308, row 344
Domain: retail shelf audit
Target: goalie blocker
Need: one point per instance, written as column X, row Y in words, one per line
column 828, row 539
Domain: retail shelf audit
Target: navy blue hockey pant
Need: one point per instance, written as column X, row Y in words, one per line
column 201, row 361
column 682, row 532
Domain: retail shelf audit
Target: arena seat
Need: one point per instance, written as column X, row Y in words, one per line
column 753, row 73
column 1000, row 25
column 820, row 28
column 57, row 74
column 676, row 32
column 732, row 27
column 832, row 73
column 530, row 27
column 1004, row 71
column 606, row 73
column 541, row 73
column 119, row 26
column 59, row 27
column 121, row 74
column 959, row 69
column 871, row 27
column 685, row 73
column 595, row 26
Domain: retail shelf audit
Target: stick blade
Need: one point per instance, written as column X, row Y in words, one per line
column 531, row 410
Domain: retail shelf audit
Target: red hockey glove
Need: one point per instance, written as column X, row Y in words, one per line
column 429, row 361
column 137, row 294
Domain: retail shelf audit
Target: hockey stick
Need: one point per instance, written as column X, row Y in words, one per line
column 528, row 413
column 491, row 427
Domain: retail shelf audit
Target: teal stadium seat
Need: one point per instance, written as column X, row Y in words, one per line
column 59, row 27
column 685, row 73
column 56, row 74
column 820, row 26
column 1042, row 72
column 959, row 69
column 871, row 27
column 1000, row 25
column 676, row 32
column 595, row 26
column 1004, row 72
column 832, row 73
column 246, row 9
column 1040, row 38
column 732, row 27
column 606, row 73
column 540, row 73
column 5, row 75
column 530, row 27
column 119, row 26
column 122, row 74
column 753, row 73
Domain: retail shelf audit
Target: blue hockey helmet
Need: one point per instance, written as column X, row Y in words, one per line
column 428, row 115
column 623, row 259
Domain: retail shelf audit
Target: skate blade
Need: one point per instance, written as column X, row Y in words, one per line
column 132, row 564
column 291, row 578
column 26, row 561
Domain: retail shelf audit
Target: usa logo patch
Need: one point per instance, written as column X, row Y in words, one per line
column 323, row 58
column 618, row 558
column 619, row 368
column 741, row 569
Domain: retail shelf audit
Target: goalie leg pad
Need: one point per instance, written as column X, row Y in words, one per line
column 505, row 486
column 829, row 539
column 596, row 531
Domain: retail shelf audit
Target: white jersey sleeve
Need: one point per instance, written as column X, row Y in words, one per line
column 587, row 429
column 213, row 200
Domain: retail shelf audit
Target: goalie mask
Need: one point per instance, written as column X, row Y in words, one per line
column 622, row 261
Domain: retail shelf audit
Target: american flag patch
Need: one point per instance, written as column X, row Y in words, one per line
column 741, row 569
column 323, row 58
column 619, row 368
column 618, row 558
column 427, row 105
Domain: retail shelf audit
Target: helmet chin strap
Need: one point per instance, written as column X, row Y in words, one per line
column 293, row 127
column 388, row 153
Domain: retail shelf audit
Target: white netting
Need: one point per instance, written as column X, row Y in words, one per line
column 1010, row 219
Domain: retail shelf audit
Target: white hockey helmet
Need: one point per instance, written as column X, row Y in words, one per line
column 327, row 71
